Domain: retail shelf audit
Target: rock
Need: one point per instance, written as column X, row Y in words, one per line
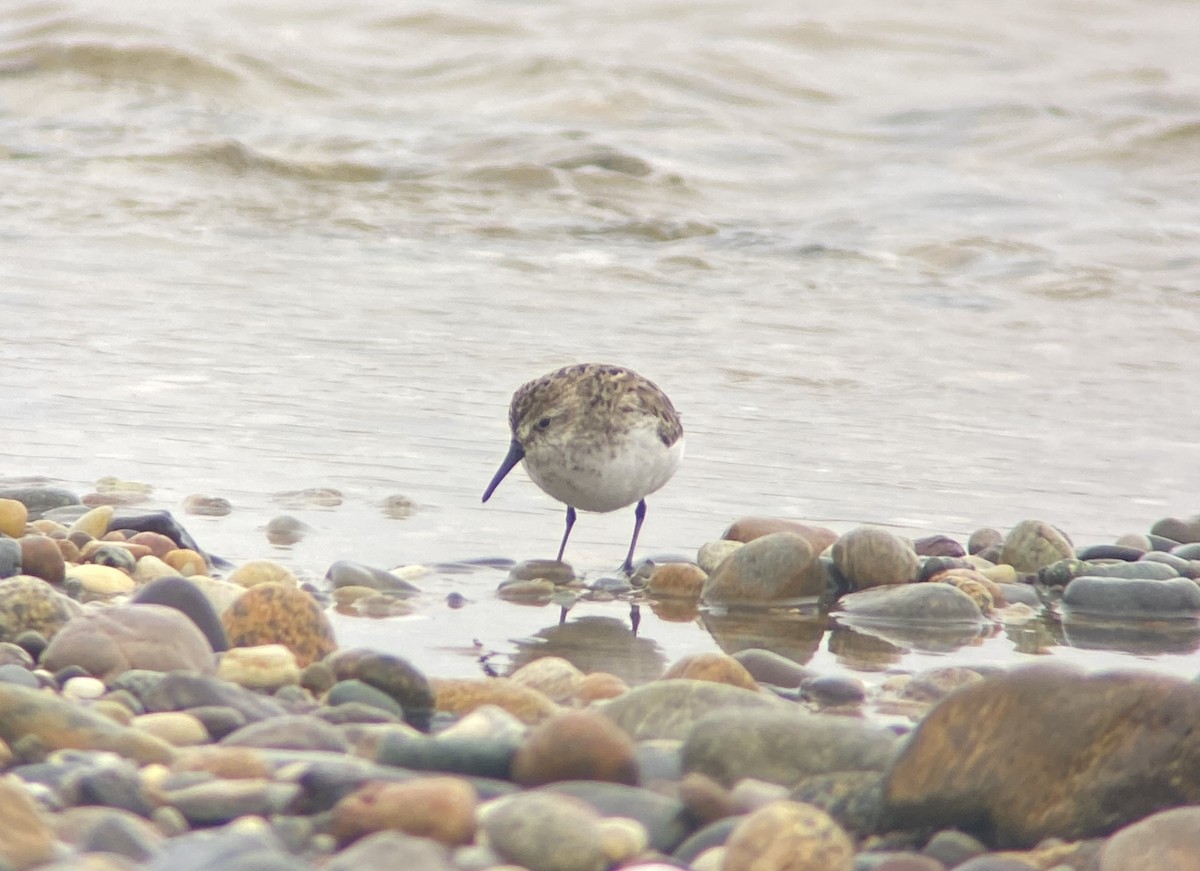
column 1146, row 569
column 1049, row 751
column 461, row 695
column 393, row 675
column 219, row 801
column 159, row 544
column 1167, row 839
column 38, row 500
column 94, row 523
column 984, row 538
column 271, row 613
column 670, row 708
column 1131, row 598
column 545, row 832
column 713, row 553
column 556, row 572
column 265, row 667
column 10, row 558
column 151, row 568
column 871, row 556
column 661, row 818
column 55, row 724
column 1183, row 531
column 347, row 573
column 363, row 695
column 599, row 686
column 112, row 640
column 207, row 506
column 398, row 506
column 938, row 604
column 41, row 558
column 261, row 571
column 769, row 667
column 13, row 515
column 26, row 838
column 441, row 808
column 788, row 836
column 1110, row 552
column 92, row 829
column 676, row 579
column 289, row 732
column 284, row 530
column 186, row 561
column 716, row 667
column 388, row 850
column 938, row 545
column 777, row 568
column 783, row 746
column 100, row 581
column 182, row 594
column 176, row 728
column 1032, row 545
column 242, row 848
column 747, row 529
column 553, row 676
column 853, row 798
column 29, row 604
column 831, row 690
column 575, row 745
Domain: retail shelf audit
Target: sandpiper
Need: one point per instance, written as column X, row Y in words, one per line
column 594, row 436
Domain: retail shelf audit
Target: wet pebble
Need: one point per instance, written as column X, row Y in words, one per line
column 676, row 579
column 1147, row 569
column 1110, row 552
column 911, row 603
column 357, row 692
column 285, row 530
column 870, row 556
column 394, row 675
column 545, row 832
column 1132, row 598
column 461, row 695
column 713, row 553
column 779, row 567
column 553, row 676
column 1184, row 531
column 185, row 596
column 13, row 516
column 769, row 667
column 746, row 529
column 29, row 604
column 264, row 667
column 670, row 708
column 833, row 689
column 938, row 546
column 186, row 561
column 348, row 573
column 555, row 571
column 207, row 506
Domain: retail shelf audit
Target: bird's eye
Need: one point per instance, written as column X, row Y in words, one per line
column 544, row 423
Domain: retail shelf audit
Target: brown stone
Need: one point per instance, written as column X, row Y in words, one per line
column 159, row 544
column 788, row 836
column 41, row 558
column 26, row 838
column 29, row 604
column 553, row 676
column 262, row 571
column 1049, row 751
column 276, row 614
column 705, row 799
column 715, row 667
column 676, row 579
column 576, row 745
column 1184, row 531
column 227, row 762
column 1167, row 839
column 441, row 808
column 746, row 529
column 870, row 556
column 462, row 695
column 779, row 567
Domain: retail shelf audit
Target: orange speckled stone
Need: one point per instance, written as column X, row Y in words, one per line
column 276, row 614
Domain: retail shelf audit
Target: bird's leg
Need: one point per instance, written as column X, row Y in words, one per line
column 639, row 514
column 567, row 534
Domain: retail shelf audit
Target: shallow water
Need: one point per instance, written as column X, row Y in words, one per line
column 932, row 267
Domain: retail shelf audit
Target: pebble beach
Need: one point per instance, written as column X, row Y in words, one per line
column 162, row 708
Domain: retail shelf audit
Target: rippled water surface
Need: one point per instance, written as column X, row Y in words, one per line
column 933, row 266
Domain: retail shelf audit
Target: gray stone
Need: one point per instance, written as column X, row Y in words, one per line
column 1132, row 598
column 669, row 708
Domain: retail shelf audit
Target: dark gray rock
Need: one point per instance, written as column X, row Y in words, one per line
column 1132, row 598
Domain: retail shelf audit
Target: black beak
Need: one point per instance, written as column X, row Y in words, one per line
column 516, row 453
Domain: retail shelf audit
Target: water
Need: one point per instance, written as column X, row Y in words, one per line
column 932, row 267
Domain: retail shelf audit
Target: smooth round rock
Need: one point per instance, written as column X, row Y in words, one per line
column 1167, row 839
column 556, row 572
column 271, row 613
column 1032, row 545
column 769, row 667
column 116, row 556
column 676, row 579
column 10, row 558
column 776, row 568
column 716, row 667
column 94, row 523
column 186, row 561
column 26, row 838
column 357, row 692
column 747, row 529
column 1184, row 531
column 207, row 506
column 177, row 728
column 984, row 538
column 38, row 500
column 575, row 745
column 1147, row 569
column 112, row 640
column 461, row 695
column 441, row 808
column 396, row 676
column 289, row 732
column 871, row 556
column 13, row 516
column 555, row 677
column 910, row 603
column 1132, row 598
column 42, row 558
column 713, row 553
column 670, row 708
column 285, row 530
column 545, row 832
column 939, row 546
column 1110, row 551
column 788, row 836
column 160, row 545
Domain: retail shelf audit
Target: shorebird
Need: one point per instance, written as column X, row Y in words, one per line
column 596, row 437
